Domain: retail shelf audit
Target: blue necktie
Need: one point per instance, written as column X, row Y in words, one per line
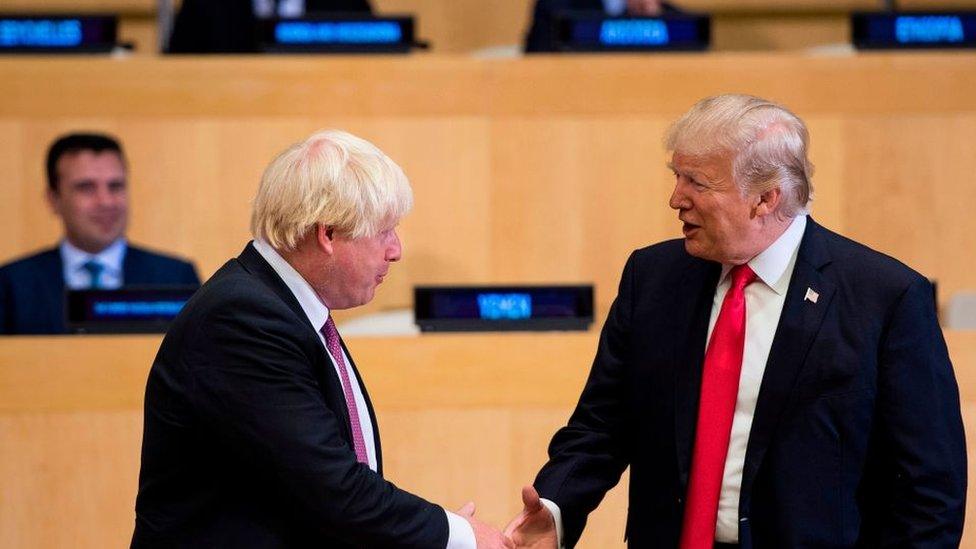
column 94, row 269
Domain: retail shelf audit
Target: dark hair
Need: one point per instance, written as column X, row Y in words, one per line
column 75, row 142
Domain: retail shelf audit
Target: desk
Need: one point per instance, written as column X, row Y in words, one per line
column 459, row 421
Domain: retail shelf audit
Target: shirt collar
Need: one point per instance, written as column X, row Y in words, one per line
column 614, row 8
column 771, row 264
column 315, row 310
column 110, row 258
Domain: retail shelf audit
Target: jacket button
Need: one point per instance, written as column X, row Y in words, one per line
column 744, row 519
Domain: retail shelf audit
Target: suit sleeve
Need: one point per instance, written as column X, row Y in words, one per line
column 539, row 37
column 588, row 455
column 920, row 424
column 254, row 389
column 5, row 303
column 190, row 275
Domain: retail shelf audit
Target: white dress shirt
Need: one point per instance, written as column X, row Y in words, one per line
column 764, row 304
column 615, row 8
column 461, row 535
column 264, row 9
column 77, row 277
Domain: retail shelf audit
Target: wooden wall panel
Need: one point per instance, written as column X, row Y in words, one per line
column 459, row 422
column 914, row 192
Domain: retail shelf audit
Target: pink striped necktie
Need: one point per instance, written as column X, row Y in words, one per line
column 335, row 349
column 719, row 391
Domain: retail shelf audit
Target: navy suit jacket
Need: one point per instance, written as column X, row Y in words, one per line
column 229, row 26
column 247, row 440
column 856, row 441
column 32, row 289
column 541, row 36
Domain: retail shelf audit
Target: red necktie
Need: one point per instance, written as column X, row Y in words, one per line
column 335, row 349
column 719, row 389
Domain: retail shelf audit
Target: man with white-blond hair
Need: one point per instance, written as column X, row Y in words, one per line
column 770, row 384
column 259, row 431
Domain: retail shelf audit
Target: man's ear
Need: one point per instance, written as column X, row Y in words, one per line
column 53, row 200
column 768, row 202
column 325, row 238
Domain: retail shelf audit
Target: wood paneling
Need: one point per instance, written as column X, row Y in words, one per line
column 460, row 421
column 524, row 170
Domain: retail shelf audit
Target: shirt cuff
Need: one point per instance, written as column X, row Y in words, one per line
column 460, row 534
column 557, row 517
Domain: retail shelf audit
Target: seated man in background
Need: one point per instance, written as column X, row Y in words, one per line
column 230, row 26
column 541, row 37
column 87, row 189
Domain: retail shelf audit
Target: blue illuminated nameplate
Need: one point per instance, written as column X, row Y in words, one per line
column 345, row 34
column 914, row 30
column 145, row 309
column 586, row 31
column 493, row 308
column 139, row 310
column 61, row 34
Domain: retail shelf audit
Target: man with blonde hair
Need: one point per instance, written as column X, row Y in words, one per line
column 770, row 384
column 259, row 431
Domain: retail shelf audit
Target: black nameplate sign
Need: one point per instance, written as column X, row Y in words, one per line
column 914, row 30
column 595, row 32
column 337, row 34
column 503, row 308
column 57, row 33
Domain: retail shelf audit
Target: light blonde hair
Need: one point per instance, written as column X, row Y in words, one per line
column 332, row 178
column 768, row 142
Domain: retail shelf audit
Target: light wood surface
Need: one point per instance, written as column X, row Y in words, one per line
column 470, row 25
column 536, row 170
column 459, row 421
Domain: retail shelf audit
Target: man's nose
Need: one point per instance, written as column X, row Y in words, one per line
column 677, row 200
column 395, row 251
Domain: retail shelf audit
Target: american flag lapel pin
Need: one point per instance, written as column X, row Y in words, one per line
column 811, row 296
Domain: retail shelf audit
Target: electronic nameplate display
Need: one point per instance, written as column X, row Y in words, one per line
column 503, row 308
column 914, row 30
column 136, row 309
column 324, row 33
column 595, row 32
column 57, row 33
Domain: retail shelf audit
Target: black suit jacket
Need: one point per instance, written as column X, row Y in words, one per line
column 229, row 26
column 541, row 36
column 247, row 440
column 32, row 289
column 856, row 441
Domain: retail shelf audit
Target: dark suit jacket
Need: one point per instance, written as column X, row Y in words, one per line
column 856, row 441
column 542, row 33
column 229, row 26
column 247, row 440
column 32, row 289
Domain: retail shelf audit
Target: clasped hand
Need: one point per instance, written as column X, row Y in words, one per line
column 533, row 528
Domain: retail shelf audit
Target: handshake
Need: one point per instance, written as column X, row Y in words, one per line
column 534, row 527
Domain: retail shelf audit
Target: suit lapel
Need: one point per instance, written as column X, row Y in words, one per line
column 798, row 326
column 50, row 276
column 693, row 309
column 252, row 260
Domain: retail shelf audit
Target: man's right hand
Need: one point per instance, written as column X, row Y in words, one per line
column 534, row 527
column 487, row 537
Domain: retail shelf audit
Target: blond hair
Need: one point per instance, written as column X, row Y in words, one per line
column 768, row 142
column 332, row 178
